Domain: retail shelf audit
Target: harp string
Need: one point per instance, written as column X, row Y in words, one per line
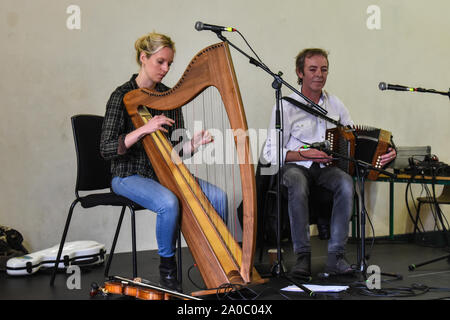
column 216, row 174
column 200, row 208
column 215, row 162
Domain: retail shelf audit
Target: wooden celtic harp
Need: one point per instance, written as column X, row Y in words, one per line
column 219, row 259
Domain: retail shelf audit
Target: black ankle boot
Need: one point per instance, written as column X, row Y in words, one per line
column 302, row 267
column 337, row 264
column 168, row 273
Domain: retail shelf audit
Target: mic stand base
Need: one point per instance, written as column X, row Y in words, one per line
column 278, row 269
column 362, row 172
column 362, row 169
column 414, row 266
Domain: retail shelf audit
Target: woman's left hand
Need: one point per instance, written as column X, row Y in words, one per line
column 201, row 138
column 389, row 156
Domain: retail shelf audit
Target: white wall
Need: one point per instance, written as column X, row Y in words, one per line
column 50, row 73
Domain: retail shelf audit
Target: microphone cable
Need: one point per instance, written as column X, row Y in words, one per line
column 248, row 45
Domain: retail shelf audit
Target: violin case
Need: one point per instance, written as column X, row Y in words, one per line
column 84, row 253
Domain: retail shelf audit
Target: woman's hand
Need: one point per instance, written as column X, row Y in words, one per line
column 201, row 138
column 154, row 124
column 157, row 123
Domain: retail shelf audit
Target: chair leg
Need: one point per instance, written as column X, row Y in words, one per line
column 133, row 241
column 113, row 246
column 63, row 240
column 416, row 221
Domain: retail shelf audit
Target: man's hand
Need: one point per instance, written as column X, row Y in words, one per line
column 389, row 156
column 308, row 155
column 319, row 156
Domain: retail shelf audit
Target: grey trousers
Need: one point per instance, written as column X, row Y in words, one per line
column 298, row 180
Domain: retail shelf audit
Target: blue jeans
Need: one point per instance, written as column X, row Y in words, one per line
column 153, row 196
column 298, row 179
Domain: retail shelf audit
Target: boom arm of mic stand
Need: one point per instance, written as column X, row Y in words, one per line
column 433, row 91
column 277, row 77
column 308, row 109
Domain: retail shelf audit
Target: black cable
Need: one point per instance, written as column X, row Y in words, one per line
column 435, row 209
column 192, row 281
column 439, row 212
column 415, row 172
column 432, row 207
column 396, row 292
column 227, row 291
column 364, row 211
column 245, row 40
column 373, row 236
column 409, row 186
column 414, row 290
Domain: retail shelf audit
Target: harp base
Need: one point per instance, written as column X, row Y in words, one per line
column 226, row 289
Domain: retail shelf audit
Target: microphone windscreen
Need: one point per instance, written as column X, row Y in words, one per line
column 382, row 86
column 199, row 26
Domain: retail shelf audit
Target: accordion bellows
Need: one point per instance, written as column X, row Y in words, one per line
column 362, row 143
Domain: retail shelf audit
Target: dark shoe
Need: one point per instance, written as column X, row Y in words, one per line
column 168, row 274
column 302, row 267
column 337, row 265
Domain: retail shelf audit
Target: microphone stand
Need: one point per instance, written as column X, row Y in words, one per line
column 362, row 169
column 433, row 91
column 277, row 269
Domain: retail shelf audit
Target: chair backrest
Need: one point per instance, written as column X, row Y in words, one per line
column 93, row 172
column 444, row 198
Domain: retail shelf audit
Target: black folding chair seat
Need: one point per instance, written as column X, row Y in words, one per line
column 107, row 199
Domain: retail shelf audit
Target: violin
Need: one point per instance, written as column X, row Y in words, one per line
column 138, row 288
column 118, row 287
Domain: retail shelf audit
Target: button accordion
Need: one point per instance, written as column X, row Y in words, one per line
column 361, row 143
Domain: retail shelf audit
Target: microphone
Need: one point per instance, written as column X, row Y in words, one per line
column 324, row 145
column 384, row 86
column 200, row 26
column 387, row 86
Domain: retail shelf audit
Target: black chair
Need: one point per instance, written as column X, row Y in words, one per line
column 320, row 204
column 93, row 173
column 443, row 198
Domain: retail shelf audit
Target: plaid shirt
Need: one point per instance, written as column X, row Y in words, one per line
column 117, row 124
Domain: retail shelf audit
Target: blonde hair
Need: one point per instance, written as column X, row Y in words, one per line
column 152, row 43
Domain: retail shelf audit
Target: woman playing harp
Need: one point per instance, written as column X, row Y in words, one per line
column 133, row 175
